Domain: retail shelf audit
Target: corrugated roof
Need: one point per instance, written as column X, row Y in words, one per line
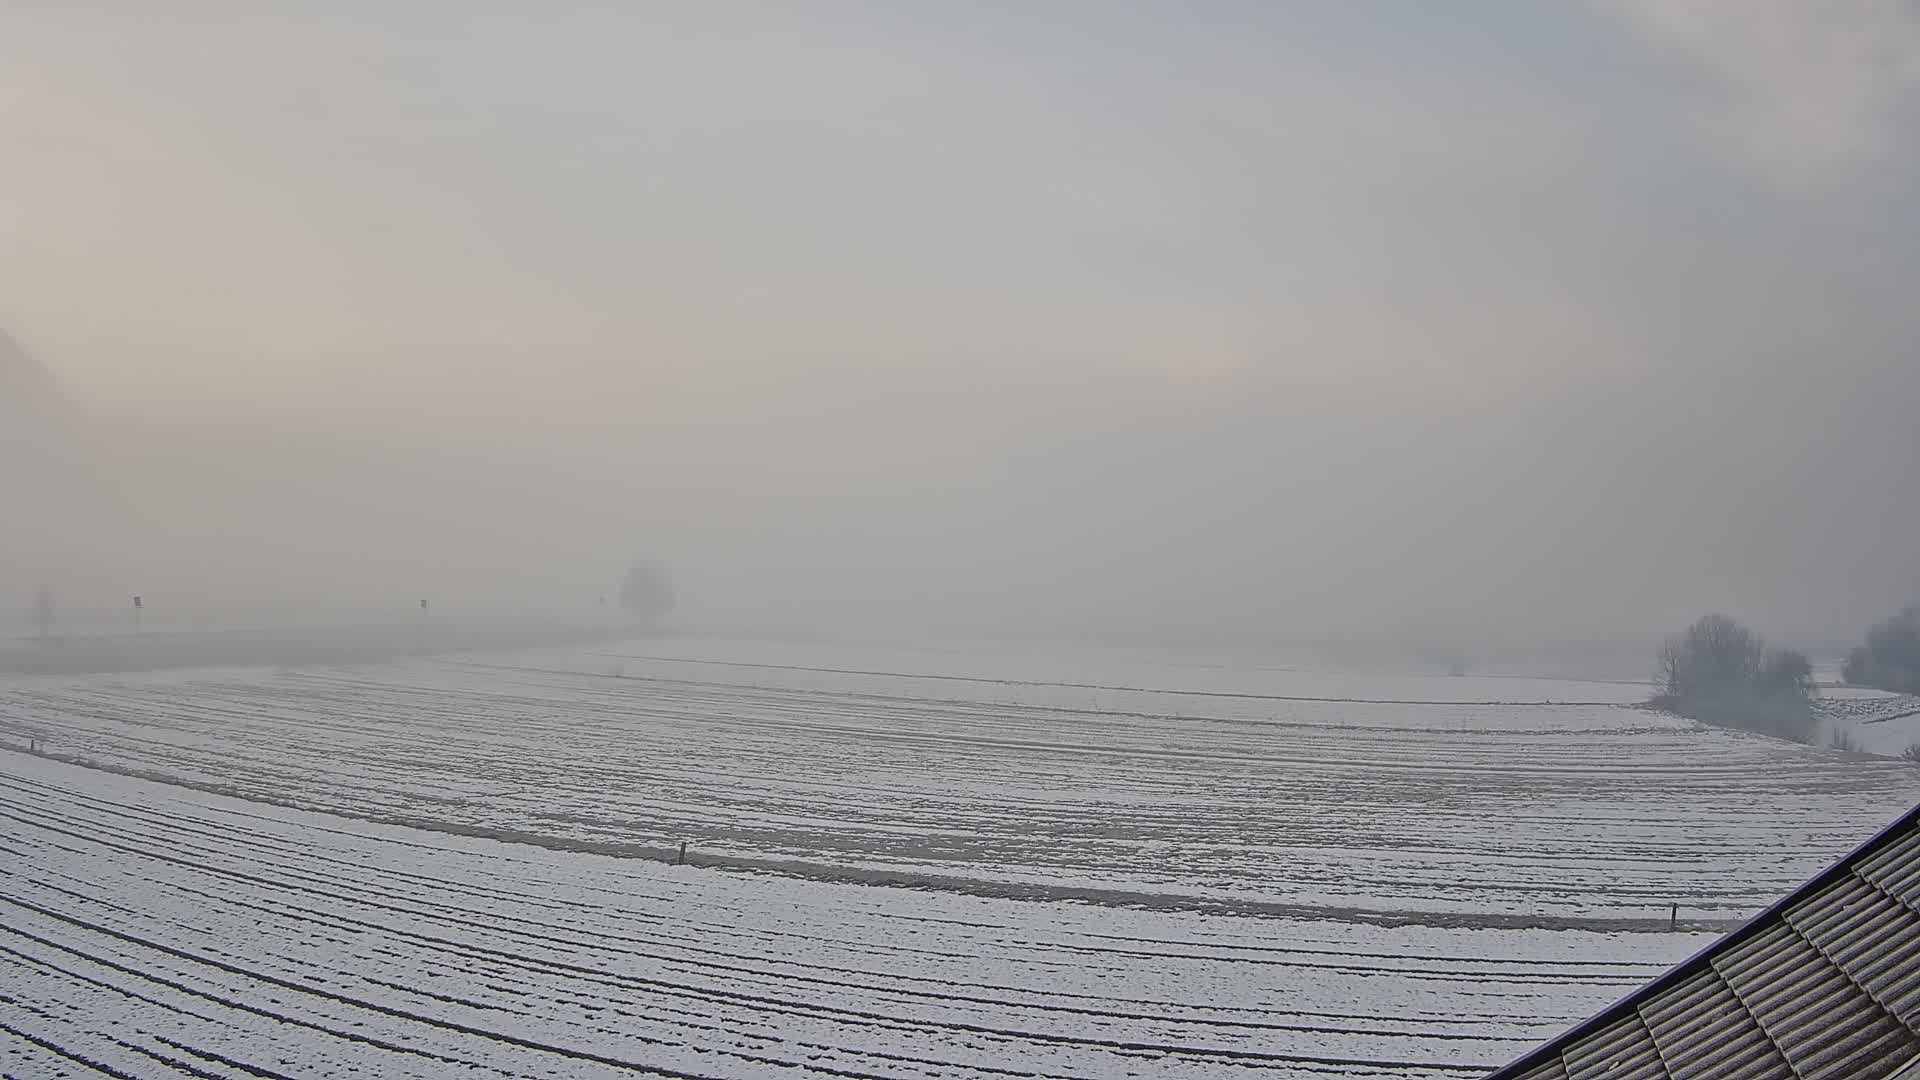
column 1824, row 985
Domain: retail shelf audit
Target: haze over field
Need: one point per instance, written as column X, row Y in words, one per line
column 741, row 538
column 1491, row 323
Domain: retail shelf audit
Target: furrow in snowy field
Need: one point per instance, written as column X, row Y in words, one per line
column 1446, row 807
column 508, row 957
column 745, row 978
column 332, row 881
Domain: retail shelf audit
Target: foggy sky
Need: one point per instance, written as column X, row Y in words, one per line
column 1484, row 321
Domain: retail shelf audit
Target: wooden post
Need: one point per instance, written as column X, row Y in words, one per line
column 682, row 860
column 1673, row 918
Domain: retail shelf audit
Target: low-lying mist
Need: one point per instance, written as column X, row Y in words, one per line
column 1321, row 329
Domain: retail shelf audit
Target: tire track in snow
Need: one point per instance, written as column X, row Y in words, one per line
column 328, row 887
column 195, row 842
column 590, row 1056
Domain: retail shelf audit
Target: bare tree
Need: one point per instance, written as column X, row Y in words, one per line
column 1788, row 673
column 1721, row 672
column 1710, row 658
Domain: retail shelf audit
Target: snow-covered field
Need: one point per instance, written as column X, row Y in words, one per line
column 1497, row 800
column 146, row 925
column 1101, row 864
column 1879, row 722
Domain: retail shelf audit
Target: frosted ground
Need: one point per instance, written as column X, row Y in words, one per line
column 1877, row 721
column 906, row 863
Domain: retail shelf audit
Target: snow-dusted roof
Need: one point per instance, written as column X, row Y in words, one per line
column 1824, row 984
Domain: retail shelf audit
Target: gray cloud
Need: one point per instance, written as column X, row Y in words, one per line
column 1087, row 317
column 1822, row 83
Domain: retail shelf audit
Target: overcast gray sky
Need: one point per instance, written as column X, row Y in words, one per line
column 1513, row 319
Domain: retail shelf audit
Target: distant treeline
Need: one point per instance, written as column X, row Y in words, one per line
column 1890, row 658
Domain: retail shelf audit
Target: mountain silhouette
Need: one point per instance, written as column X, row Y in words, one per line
column 33, row 410
column 27, row 391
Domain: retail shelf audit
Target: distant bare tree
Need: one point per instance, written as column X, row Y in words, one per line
column 1721, row 672
column 1788, row 673
column 1713, row 656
